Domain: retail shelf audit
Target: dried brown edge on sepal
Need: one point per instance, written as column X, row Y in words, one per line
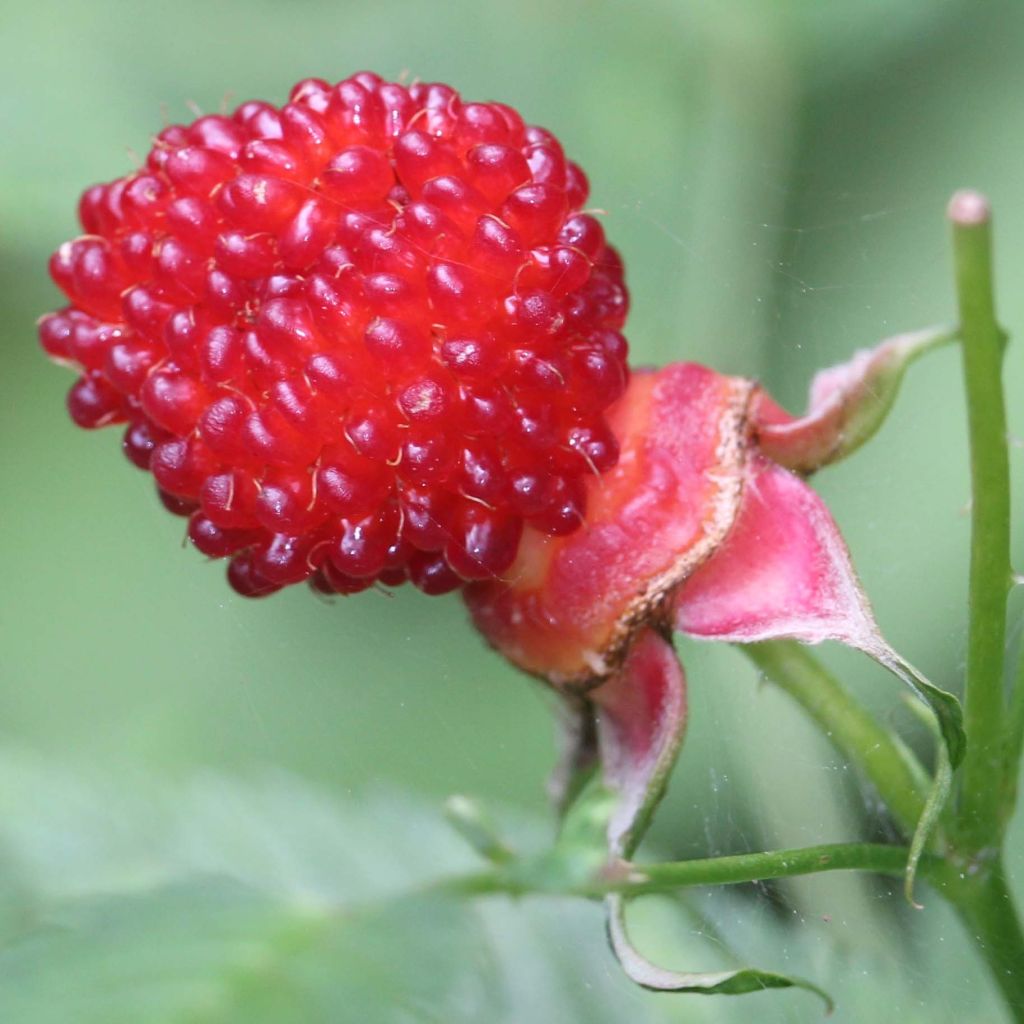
column 651, row 607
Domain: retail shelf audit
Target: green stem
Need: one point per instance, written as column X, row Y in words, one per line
column 638, row 879
column 980, row 812
column 753, row 867
column 988, row 912
column 849, row 727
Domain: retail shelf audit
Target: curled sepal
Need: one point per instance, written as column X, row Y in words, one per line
column 641, row 719
column 932, row 810
column 784, row 571
column 640, row 716
column 847, row 404
column 937, row 797
column 730, row 983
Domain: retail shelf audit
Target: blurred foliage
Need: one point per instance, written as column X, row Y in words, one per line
column 216, row 900
column 775, row 174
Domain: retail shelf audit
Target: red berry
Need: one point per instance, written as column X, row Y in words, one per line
column 246, row 580
column 361, row 549
column 432, row 573
column 215, row 541
column 139, row 441
column 361, row 337
column 484, row 542
column 174, row 504
column 229, row 499
column 92, row 403
column 285, row 558
column 357, row 175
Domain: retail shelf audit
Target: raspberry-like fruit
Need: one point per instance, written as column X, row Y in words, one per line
column 365, row 336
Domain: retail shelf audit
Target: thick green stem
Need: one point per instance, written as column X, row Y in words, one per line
column 848, row 726
column 990, row 917
column 980, row 810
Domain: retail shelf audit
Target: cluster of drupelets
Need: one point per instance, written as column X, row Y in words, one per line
column 365, row 336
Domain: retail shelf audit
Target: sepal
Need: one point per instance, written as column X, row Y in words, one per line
column 735, row 982
column 641, row 720
column 847, row 405
column 784, row 571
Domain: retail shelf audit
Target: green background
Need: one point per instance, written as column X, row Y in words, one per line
column 775, row 174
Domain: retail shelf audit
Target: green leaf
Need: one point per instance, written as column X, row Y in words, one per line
column 202, row 879
column 291, row 852
column 219, row 952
